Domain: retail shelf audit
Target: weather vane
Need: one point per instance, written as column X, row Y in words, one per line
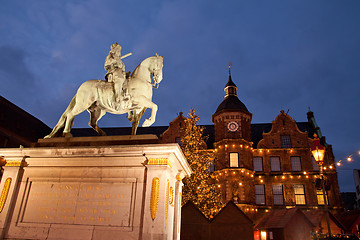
column 230, row 64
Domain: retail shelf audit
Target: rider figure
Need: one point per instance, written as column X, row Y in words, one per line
column 116, row 74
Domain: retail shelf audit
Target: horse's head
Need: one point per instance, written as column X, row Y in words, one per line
column 155, row 69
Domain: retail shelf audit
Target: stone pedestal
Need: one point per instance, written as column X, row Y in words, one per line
column 92, row 192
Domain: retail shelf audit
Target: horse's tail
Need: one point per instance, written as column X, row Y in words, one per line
column 62, row 120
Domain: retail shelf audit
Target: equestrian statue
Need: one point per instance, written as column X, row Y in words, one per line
column 119, row 93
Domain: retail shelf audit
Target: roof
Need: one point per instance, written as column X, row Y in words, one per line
column 279, row 218
column 233, row 103
column 18, row 125
column 257, row 130
column 231, row 209
column 348, row 218
column 315, row 216
column 230, row 83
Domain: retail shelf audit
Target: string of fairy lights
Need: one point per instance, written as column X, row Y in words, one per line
column 348, row 159
column 339, row 164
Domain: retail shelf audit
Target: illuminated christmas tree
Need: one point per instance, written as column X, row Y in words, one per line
column 200, row 188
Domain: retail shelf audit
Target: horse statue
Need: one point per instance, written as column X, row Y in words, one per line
column 97, row 97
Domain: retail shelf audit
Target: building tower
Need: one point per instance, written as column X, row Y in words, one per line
column 233, row 147
column 232, row 124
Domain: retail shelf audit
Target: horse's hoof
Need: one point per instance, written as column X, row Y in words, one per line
column 47, row 136
column 147, row 123
column 67, row 135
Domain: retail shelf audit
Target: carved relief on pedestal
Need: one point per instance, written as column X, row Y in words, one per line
column 4, row 193
column 159, row 161
column 154, row 200
column 171, row 197
column 167, row 201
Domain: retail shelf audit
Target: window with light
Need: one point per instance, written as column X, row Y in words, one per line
column 234, row 159
column 299, row 194
column 320, row 196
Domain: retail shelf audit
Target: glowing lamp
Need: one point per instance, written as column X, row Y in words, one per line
column 318, row 151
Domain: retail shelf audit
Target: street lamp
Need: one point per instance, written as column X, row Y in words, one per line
column 318, row 151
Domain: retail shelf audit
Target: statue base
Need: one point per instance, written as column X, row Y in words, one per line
column 97, row 141
column 91, row 188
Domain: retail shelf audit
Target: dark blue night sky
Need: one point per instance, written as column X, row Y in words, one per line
column 286, row 55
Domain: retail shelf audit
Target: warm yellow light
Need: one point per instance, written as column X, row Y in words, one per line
column 338, row 163
column 324, row 168
column 246, row 146
column 233, row 172
column 331, row 167
column 263, row 235
column 240, row 184
column 261, row 181
column 291, row 176
column 305, row 173
column 219, row 146
column 233, row 145
column 260, row 151
column 220, row 174
column 252, row 175
column 225, row 145
column 259, row 176
column 349, row 159
column 219, row 185
column 241, row 145
column 318, row 155
column 283, row 177
column 307, row 176
column 216, row 150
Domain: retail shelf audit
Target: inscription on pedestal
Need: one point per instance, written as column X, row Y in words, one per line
column 106, row 204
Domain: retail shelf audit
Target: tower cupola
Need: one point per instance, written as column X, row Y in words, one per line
column 232, row 119
column 230, row 88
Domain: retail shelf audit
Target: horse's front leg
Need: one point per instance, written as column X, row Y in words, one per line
column 145, row 102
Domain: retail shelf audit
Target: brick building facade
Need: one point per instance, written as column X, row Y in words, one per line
column 264, row 166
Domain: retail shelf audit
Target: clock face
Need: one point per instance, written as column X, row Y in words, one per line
column 233, row 126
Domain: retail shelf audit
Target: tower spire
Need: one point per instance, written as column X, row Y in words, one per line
column 230, row 87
